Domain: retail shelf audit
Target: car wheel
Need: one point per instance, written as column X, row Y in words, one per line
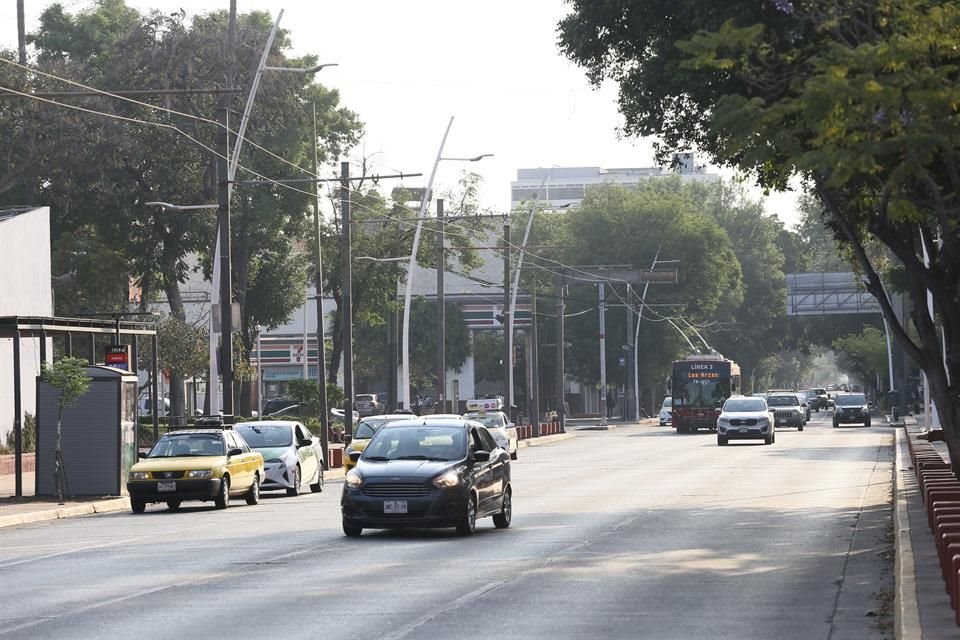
column 222, row 501
column 253, row 495
column 295, row 489
column 800, row 428
column 722, row 441
column 502, row 519
column 351, row 531
column 173, row 505
column 768, row 440
column 138, row 506
column 318, row 486
column 468, row 521
column 866, row 422
column 513, row 456
column 835, row 424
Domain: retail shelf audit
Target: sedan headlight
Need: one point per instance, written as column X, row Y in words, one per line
column 353, row 479
column 723, row 421
column 447, row 480
column 763, row 421
column 139, row 475
column 201, row 474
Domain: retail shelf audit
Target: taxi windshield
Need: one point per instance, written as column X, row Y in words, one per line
column 486, row 419
column 187, row 444
column 264, row 436
column 368, row 427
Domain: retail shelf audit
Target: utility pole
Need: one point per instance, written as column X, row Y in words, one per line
column 629, row 390
column 535, row 364
column 321, row 343
column 393, row 355
column 507, row 323
column 347, row 302
column 441, row 319
column 603, row 356
column 21, row 39
column 223, row 222
column 561, row 309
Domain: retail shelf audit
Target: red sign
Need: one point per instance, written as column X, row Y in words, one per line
column 117, row 356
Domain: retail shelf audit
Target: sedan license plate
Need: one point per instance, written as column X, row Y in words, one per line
column 743, row 430
column 394, row 506
column 166, row 486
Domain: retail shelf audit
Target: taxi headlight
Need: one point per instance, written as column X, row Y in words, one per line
column 447, row 480
column 139, row 475
column 200, row 473
column 353, row 479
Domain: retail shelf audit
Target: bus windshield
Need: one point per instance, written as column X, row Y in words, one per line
column 700, row 384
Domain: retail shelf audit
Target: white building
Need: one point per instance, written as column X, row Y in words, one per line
column 557, row 187
column 24, row 291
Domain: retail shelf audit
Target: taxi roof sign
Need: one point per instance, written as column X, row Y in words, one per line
column 485, row 404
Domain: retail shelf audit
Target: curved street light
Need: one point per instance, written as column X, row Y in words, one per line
column 408, row 294
column 180, row 207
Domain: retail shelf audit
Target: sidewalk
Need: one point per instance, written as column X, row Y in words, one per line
column 922, row 603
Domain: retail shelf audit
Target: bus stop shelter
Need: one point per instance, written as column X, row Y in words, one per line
column 79, row 337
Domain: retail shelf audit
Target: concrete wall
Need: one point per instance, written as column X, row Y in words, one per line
column 24, row 291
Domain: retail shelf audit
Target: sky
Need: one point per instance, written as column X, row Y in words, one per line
column 406, row 68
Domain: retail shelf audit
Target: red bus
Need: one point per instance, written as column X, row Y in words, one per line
column 699, row 386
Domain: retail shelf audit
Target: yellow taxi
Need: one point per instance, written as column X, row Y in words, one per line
column 365, row 430
column 196, row 464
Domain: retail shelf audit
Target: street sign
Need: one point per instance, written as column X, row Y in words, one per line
column 117, row 356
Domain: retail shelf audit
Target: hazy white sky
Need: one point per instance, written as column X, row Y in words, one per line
column 407, row 67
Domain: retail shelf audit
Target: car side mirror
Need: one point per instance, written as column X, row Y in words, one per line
column 510, row 425
column 236, row 451
column 481, row 456
column 141, row 455
column 718, row 410
column 354, row 455
column 305, row 443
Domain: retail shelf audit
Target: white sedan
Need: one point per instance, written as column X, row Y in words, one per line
column 500, row 427
column 292, row 456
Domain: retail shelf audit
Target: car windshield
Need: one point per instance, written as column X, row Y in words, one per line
column 782, row 401
column 175, row 445
column 852, row 400
column 489, row 420
column 667, row 403
column 366, row 397
column 417, row 442
column 744, row 404
column 368, row 427
column 266, row 436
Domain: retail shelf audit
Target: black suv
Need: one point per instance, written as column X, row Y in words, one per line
column 851, row 407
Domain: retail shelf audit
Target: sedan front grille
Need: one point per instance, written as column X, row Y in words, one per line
column 747, row 422
column 396, row 490
column 167, row 475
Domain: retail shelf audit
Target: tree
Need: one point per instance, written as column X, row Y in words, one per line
column 69, row 377
column 863, row 354
column 857, row 98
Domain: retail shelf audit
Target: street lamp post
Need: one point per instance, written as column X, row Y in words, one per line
column 408, row 292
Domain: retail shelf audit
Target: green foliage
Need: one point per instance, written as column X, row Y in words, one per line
column 864, row 355
column 488, row 356
column 28, row 437
column 306, row 393
column 69, row 377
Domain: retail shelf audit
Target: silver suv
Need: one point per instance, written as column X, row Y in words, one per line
column 789, row 409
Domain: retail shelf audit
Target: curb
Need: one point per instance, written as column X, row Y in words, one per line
column 907, row 608
column 101, row 506
column 542, row 440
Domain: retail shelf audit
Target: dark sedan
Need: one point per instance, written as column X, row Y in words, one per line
column 851, row 407
column 437, row 473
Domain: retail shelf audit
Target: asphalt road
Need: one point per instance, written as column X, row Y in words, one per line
column 631, row 533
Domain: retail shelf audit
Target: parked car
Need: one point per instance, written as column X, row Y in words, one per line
column 745, row 418
column 366, row 404
column 851, row 407
column 293, row 457
column 788, row 409
column 275, row 405
column 365, row 430
column 144, row 407
column 196, row 464
column 666, row 411
column 420, row 473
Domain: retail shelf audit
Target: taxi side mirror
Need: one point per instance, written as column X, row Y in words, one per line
column 234, row 452
column 141, row 455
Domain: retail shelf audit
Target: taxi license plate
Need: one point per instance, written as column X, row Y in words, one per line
column 166, row 486
column 394, row 506
column 743, row 430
